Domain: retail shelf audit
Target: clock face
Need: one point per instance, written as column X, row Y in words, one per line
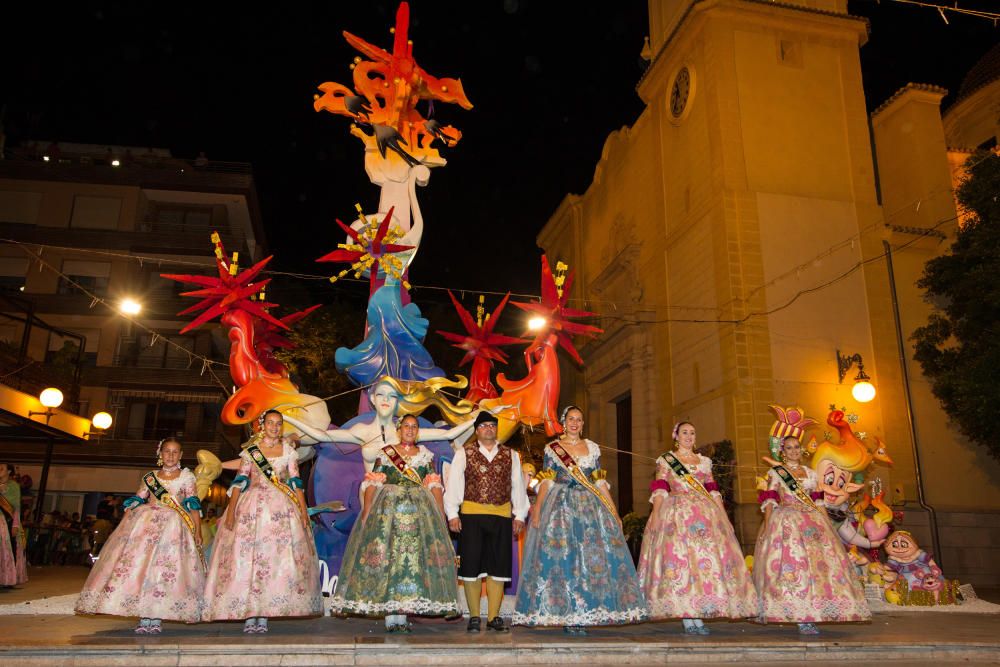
column 680, row 91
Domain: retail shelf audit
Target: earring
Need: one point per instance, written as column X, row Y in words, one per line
column 159, row 461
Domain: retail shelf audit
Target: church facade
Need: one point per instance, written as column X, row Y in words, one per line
column 753, row 224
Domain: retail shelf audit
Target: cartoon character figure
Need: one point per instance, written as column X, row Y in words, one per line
column 835, row 464
column 914, row 574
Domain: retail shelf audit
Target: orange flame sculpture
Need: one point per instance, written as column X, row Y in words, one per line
column 391, row 85
column 534, row 400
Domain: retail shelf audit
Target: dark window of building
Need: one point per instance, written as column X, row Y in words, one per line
column 85, row 277
column 623, row 419
column 154, row 421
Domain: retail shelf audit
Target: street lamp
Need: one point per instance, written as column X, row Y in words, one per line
column 101, row 421
column 863, row 391
column 130, row 306
column 51, row 398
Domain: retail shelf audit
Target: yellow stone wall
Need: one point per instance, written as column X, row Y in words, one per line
column 734, row 250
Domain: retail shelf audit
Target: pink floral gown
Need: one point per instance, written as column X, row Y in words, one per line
column 267, row 566
column 801, row 569
column 13, row 564
column 150, row 566
column 691, row 565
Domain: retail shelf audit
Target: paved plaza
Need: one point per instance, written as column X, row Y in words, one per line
column 901, row 638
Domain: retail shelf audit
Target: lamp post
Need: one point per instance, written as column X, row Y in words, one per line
column 50, row 398
column 863, row 390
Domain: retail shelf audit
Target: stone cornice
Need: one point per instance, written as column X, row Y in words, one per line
column 698, row 6
column 908, row 88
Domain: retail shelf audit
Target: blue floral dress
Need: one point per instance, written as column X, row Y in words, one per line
column 577, row 569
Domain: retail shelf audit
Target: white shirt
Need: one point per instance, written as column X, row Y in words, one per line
column 455, row 488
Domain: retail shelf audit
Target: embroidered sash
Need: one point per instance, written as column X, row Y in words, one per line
column 401, row 465
column 267, row 470
column 160, row 492
column 573, row 469
column 788, row 479
column 681, row 471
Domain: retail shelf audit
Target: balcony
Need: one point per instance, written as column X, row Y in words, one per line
column 125, row 451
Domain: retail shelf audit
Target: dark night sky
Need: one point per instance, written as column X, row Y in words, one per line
column 549, row 81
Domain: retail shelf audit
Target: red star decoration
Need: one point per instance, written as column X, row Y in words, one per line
column 267, row 338
column 557, row 316
column 227, row 292
column 373, row 248
column 480, row 342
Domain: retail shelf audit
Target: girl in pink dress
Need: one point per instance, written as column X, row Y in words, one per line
column 691, row 566
column 801, row 569
column 13, row 565
column 151, row 566
column 264, row 559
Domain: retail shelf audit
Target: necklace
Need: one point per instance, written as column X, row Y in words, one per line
column 173, row 468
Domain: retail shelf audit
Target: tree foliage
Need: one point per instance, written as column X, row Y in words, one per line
column 959, row 348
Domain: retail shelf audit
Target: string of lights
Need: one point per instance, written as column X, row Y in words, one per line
column 206, row 363
column 954, row 8
column 612, row 316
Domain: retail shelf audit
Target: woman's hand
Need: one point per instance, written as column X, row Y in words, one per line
column 197, row 537
column 230, row 520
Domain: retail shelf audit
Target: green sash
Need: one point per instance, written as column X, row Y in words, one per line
column 161, row 494
column 267, row 470
column 681, row 471
column 788, row 479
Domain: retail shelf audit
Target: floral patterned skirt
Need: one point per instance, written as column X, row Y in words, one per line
column 267, row 566
column 149, row 567
column 401, row 560
column 802, row 572
column 8, row 563
column 577, row 569
column 691, row 565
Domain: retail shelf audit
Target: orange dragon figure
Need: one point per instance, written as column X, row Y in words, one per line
column 262, row 380
column 534, row 400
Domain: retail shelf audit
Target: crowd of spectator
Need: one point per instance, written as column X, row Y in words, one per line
column 62, row 538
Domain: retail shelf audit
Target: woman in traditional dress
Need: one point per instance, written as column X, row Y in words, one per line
column 399, row 559
column 577, row 570
column 264, row 561
column 13, row 565
column 691, row 566
column 151, row 566
column 801, row 569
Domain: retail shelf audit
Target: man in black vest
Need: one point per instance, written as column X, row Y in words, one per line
column 486, row 504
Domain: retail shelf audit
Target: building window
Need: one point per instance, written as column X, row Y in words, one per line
column 20, row 208
column 63, row 350
column 154, row 421
column 165, row 351
column 181, row 219
column 85, row 277
column 12, row 273
column 95, row 212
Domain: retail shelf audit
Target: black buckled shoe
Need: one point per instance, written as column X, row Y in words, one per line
column 496, row 623
column 475, row 624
